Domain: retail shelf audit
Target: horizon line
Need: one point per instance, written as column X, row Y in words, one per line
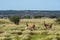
column 29, row 9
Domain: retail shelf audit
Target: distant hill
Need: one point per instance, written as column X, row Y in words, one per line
column 28, row 13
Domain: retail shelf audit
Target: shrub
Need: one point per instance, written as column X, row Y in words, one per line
column 2, row 22
column 17, row 33
column 38, row 16
column 28, row 17
column 27, row 37
column 7, row 37
column 58, row 38
column 17, row 38
column 15, row 19
column 48, row 39
column 58, row 20
column 1, row 31
column 44, row 34
column 52, row 17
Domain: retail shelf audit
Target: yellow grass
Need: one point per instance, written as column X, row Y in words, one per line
column 9, row 27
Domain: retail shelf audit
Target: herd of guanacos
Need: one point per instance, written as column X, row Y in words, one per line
column 32, row 27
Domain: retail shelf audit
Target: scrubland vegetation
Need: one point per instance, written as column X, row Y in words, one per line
column 11, row 31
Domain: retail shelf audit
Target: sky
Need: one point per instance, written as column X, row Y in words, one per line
column 29, row 4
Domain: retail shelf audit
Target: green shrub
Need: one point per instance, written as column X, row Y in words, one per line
column 27, row 37
column 17, row 33
column 2, row 22
column 17, row 38
column 52, row 17
column 28, row 17
column 48, row 39
column 58, row 20
column 7, row 38
column 38, row 16
column 58, row 38
column 44, row 34
column 15, row 19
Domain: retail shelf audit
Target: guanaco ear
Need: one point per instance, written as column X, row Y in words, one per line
column 44, row 22
column 26, row 24
column 33, row 24
column 51, row 23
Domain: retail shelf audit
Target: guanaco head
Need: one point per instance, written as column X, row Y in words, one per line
column 48, row 26
column 45, row 24
column 33, row 26
column 30, row 27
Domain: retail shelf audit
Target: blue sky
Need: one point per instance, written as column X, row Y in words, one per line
column 29, row 4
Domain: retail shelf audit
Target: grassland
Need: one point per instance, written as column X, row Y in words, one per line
column 10, row 31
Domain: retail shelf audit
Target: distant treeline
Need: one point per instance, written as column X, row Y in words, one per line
column 31, row 17
column 35, row 17
column 29, row 13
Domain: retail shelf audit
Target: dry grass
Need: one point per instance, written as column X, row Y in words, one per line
column 17, row 32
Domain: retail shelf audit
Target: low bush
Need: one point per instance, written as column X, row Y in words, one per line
column 58, row 20
column 15, row 19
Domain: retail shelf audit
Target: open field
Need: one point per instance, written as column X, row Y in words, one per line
column 10, row 31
